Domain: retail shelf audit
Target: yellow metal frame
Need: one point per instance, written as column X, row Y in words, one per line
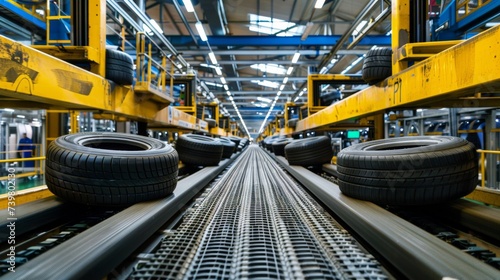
column 423, row 50
column 312, row 93
column 453, row 77
column 147, row 85
column 464, row 5
column 482, row 161
column 25, row 196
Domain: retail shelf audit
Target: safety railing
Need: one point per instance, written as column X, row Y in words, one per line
column 24, row 161
column 149, row 71
column 466, row 7
column 482, row 163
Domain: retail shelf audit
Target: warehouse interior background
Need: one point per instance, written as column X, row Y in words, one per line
column 251, row 71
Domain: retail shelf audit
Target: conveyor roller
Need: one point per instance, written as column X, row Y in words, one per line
column 256, row 222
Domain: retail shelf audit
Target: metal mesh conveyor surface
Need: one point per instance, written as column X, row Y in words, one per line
column 256, row 222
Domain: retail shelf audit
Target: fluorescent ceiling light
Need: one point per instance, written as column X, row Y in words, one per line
column 213, row 84
column 222, row 80
column 155, row 25
column 352, row 65
column 279, row 93
column 266, row 83
column 188, row 5
column 201, row 31
column 259, row 104
column 228, row 93
column 218, row 71
column 8, row 110
column 211, row 55
column 307, row 31
column 289, row 71
column 359, row 27
column 388, row 33
column 295, row 57
column 285, row 80
column 319, row 4
column 269, row 68
column 263, row 99
column 282, row 87
column 226, row 87
column 491, row 24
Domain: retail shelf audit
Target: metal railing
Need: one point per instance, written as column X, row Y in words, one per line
column 482, row 163
column 21, row 157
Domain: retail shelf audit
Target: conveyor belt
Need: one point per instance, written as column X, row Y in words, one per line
column 256, row 222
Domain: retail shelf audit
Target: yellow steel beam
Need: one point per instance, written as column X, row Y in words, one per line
column 71, row 53
column 463, row 70
column 171, row 117
column 423, row 50
column 25, row 196
column 30, row 75
column 400, row 22
column 485, row 195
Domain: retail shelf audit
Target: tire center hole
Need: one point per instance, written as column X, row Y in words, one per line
column 116, row 146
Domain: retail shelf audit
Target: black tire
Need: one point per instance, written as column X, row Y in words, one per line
column 408, row 170
column 292, row 123
column 377, row 65
column 119, row 67
column 110, row 169
column 211, row 123
column 309, row 151
column 236, row 140
column 243, row 144
column 199, row 150
column 228, row 147
column 279, row 146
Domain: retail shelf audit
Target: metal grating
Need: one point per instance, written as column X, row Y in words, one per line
column 256, row 222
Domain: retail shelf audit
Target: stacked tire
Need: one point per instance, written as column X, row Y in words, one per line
column 377, row 65
column 278, row 146
column 119, row 67
column 243, row 144
column 312, row 151
column 415, row 170
column 229, row 147
column 199, row 150
column 110, row 169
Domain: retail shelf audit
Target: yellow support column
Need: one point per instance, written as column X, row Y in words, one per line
column 97, row 34
column 400, row 32
column 73, row 116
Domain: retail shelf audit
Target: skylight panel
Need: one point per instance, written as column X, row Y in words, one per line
column 267, row 25
column 269, row 68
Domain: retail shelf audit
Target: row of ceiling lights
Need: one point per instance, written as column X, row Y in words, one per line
column 213, row 59
column 199, row 27
column 318, row 5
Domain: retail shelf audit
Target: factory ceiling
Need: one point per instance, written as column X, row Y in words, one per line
column 255, row 41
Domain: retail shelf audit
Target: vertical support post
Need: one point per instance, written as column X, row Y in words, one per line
column 400, row 32
column 172, row 72
column 482, row 169
column 142, row 128
column 74, row 121
column 453, row 119
column 491, row 159
column 123, row 127
column 97, row 34
column 140, row 49
column 379, row 126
